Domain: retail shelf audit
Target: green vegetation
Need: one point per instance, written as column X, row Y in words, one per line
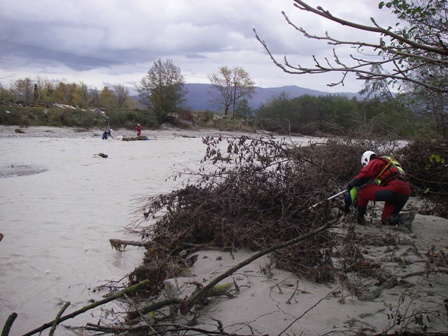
column 14, row 114
column 339, row 115
column 162, row 89
column 390, row 118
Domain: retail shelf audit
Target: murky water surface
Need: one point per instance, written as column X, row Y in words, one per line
column 59, row 206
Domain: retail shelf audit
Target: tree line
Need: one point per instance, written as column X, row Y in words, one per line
column 162, row 91
column 381, row 113
column 40, row 91
column 393, row 117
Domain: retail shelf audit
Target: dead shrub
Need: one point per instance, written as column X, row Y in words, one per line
column 426, row 162
column 259, row 192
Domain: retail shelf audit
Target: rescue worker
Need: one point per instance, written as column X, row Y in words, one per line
column 139, row 130
column 381, row 179
column 107, row 133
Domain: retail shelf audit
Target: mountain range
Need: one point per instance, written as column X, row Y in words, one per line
column 198, row 97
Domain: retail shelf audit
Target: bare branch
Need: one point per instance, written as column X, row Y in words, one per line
column 400, row 51
column 325, row 14
column 88, row 307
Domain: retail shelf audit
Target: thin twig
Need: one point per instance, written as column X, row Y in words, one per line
column 306, row 311
column 293, row 293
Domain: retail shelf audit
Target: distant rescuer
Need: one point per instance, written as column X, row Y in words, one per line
column 107, row 133
column 381, row 179
column 139, row 129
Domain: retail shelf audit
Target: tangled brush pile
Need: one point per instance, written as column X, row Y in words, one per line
column 252, row 193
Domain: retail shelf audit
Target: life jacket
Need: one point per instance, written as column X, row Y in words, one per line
column 391, row 171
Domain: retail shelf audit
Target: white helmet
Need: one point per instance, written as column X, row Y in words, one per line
column 366, row 156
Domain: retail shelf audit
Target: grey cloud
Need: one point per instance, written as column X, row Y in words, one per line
column 117, row 36
column 196, row 56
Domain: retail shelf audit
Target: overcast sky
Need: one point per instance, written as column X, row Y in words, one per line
column 107, row 42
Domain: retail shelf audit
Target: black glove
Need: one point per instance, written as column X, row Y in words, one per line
column 347, row 203
column 350, row 186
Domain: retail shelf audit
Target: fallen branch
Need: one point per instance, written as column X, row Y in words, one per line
column 8, row 324
column 57, row 319
column 120, row 245
column 154, row 307
column 171, row 328
column 112, row 330
column 213, row 291
column 89, row 307
column 189, row 302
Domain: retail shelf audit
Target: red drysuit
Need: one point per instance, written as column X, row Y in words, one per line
column 139, row 130
column 382, row 179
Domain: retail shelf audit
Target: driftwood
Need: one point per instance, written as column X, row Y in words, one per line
column 141, row 137
column 188, row 303
column 8, row 324
column 82, row 310
column 58, row 318
column 120, row 245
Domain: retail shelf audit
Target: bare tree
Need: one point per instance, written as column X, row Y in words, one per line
column 23, row 89
column 412, row 52
column 122, row 94
column 230, row 86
